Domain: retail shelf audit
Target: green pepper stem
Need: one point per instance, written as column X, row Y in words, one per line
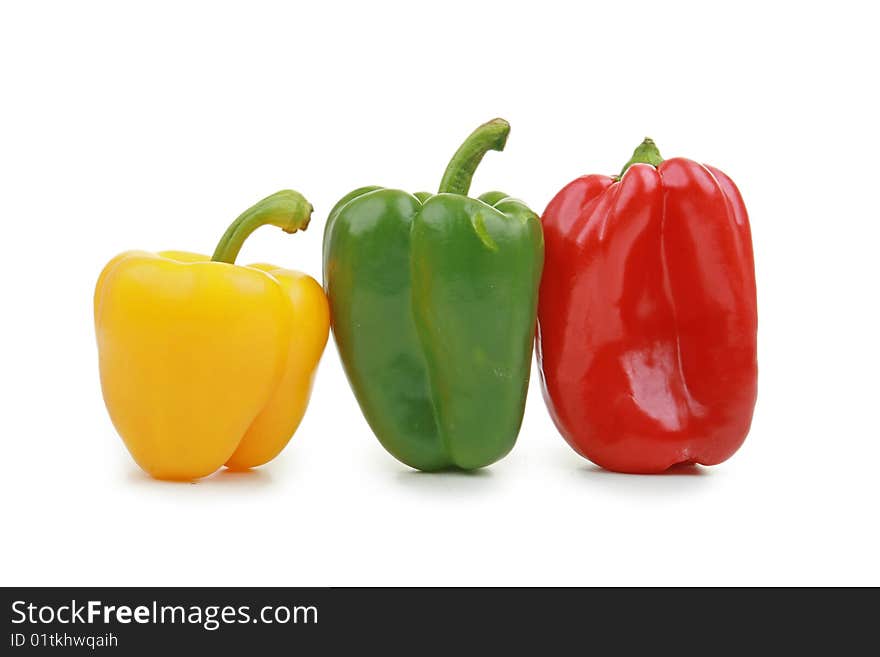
column 490, row 136
column 646, row 153
column 287, row 209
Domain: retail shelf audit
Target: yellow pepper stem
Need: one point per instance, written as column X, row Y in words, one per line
column 287, row 209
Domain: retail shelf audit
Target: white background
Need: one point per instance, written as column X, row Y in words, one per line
column 154, row 126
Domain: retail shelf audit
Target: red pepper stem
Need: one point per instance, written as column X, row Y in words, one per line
column 287, row 209
column 491, row 136
column 646, row 153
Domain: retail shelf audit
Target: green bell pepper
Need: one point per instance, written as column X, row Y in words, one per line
column 433, row 301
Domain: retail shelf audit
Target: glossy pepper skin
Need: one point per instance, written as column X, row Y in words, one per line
column 433, row 303
column 648, row 315
column 204, row 363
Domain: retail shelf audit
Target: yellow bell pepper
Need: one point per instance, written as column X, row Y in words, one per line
column 205, row 363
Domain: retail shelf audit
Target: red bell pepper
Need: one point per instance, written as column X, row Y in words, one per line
column 648, row 315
